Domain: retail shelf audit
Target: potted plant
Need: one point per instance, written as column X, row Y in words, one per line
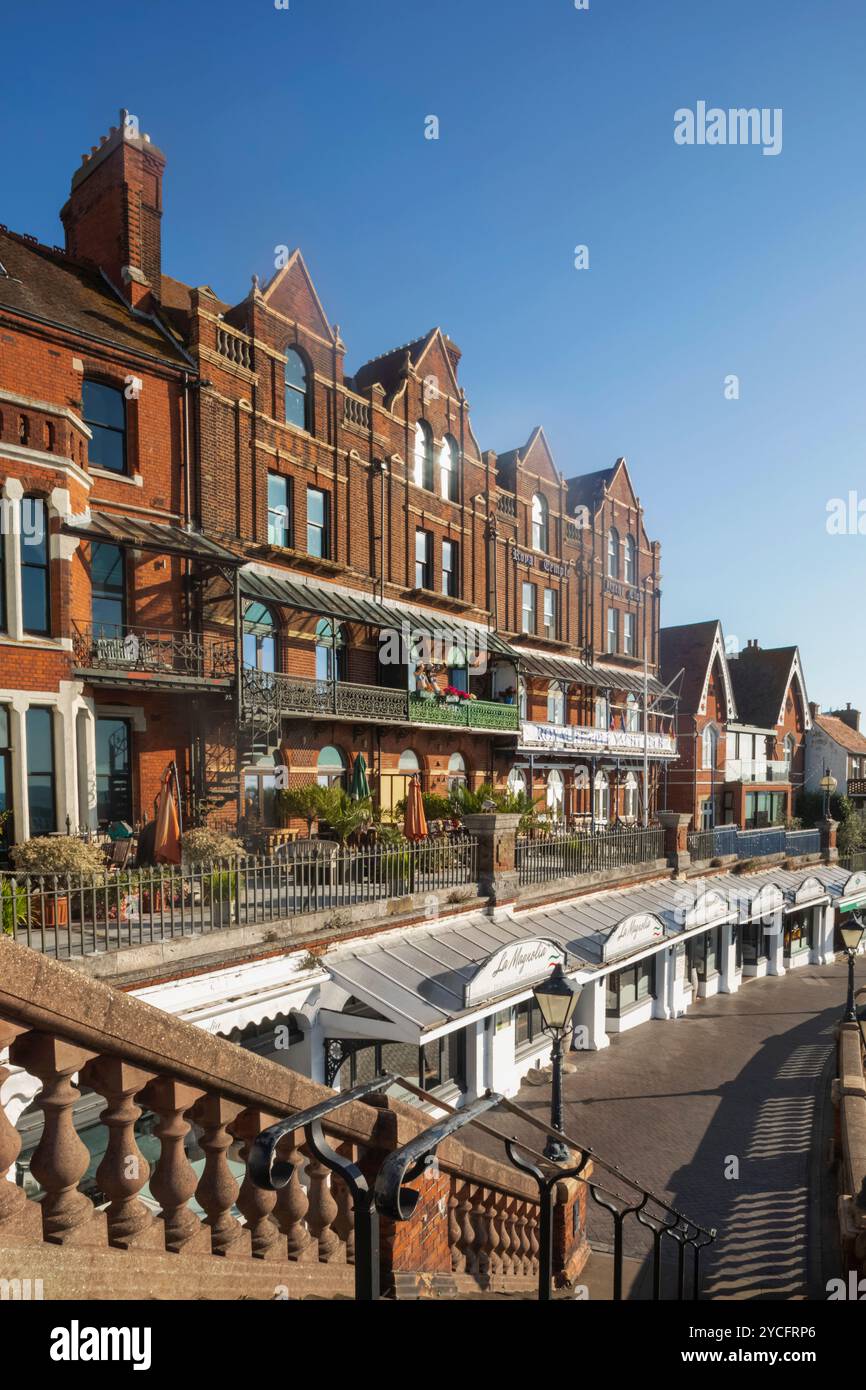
column 215, row 855
column 13, row 906
column 54, row 860
column 301, row 803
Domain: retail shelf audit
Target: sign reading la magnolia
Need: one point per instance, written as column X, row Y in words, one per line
column 582, row 736
column 512, row 966
column 633, row 932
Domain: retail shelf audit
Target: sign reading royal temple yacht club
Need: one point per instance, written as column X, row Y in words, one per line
column 584, row 737
column 525, row 557
column 632, row 933
column 520, row 963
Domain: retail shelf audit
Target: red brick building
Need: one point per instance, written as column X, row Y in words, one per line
column 258, row 564
column 742, row 722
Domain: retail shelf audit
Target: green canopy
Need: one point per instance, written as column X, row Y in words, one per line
column 360, row 787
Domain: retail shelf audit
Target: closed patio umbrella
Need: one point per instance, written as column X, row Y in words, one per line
column 360, row 787
column 166, row 847
column 415, row 821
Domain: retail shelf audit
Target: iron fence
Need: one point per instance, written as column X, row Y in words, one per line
column 80, row 914
column 565, row 853
column 726, row 840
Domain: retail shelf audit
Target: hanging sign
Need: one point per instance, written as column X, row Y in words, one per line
column 519, row 963
column 632, row 933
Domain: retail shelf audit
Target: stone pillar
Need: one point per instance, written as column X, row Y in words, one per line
column 497, row 856
column 828, row 829
column 570, row 1245
column 676, row 827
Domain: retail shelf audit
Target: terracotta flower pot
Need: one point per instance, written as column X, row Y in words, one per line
column 52, row 911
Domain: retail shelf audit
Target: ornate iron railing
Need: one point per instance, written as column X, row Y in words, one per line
column 472, row 714
column 270, row 695
column 74, row 915
column 566, row 853
column 125, row 650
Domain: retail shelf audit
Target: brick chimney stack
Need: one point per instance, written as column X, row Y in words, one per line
column 114, row 211
column 849, row 716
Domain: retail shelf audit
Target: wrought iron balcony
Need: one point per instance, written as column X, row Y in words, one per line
column 856, row 786
column 271, row 695
column 121, row 654
column 471, row 714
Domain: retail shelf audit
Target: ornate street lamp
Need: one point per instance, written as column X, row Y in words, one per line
column 852, row 934
column 557, row 999
column 828, row 785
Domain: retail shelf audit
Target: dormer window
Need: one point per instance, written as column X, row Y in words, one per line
column 539, row 523
column 423, row 464
column 448, row 477
column 297, row 392
column 613, row 553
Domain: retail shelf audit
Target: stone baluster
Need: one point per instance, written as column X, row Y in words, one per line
column 174, row 1180
column 61, row 1159
column 124, row 1170
column 467, row 1231
column 455, row 1232
column 292, row 1206
column 491, row 1204
column 20, row 1220
column 217, row 1188
column 522, row 1237
column 479, row 1226
column 505, row 1228
column 323, row 1212
column 534, row 1246
column 256, row 1204
column 344, row 1224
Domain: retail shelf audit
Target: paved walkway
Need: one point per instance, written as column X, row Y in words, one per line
column 739, row 1078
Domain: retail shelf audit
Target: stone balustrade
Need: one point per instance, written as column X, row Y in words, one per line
column 477, row 1219
column 849, row 1096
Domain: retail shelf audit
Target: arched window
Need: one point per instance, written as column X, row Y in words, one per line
column 517, row 782
column 555, row 703
column 630, row 560
column 297, row 392
column 449, row 456
column 632, row 714
column 602, row 718
column 260, row 640
column 104, row 411
column 522, row 700
column 331, row 767
column 613, row 553
column 423, row 471
column 330, row 651
column 539, row 522
column 456, row 772
column 790, row 749
column 601, row 799
column 630, row 798
column 409, row 761
column 710, row 746
column 555, row 793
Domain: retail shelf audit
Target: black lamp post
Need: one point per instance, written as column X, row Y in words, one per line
column 852, row 934
column 828, row 785
column 557, row 999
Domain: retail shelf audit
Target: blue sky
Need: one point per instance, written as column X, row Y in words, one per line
column 306, row 127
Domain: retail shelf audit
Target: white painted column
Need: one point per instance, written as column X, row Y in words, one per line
column 590, row 1014
column 20, row 799
column 730, row 976
column 85, row 746
column 680, row 1000
column 476, row 1059
column 775, row 939
column 825, row 931
column 662, row 1004
column 12, row 493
